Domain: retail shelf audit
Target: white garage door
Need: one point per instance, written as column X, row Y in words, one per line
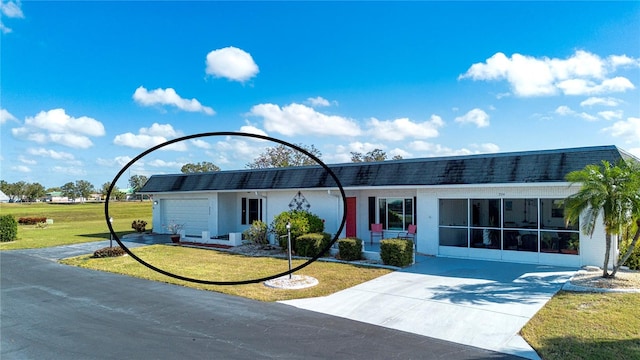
column 193, row 213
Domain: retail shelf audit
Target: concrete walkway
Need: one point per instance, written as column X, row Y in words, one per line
column 472, row 302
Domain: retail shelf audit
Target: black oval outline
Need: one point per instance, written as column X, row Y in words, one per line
column 225, row 133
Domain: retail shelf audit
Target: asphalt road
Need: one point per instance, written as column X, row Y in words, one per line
column 54, row 311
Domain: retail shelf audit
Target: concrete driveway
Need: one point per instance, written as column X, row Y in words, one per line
column 55, row 311
column 478, row 303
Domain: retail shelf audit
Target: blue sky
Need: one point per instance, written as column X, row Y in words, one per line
column 87, row 86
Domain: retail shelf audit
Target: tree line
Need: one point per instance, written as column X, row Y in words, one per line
column 22, row 191
column 272, row 157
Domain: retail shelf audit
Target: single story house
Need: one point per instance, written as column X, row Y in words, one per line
column 502, row 206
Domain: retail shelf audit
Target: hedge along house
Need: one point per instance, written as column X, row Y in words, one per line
column 504, row 207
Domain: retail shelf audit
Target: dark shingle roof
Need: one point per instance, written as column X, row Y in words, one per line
column 518, row 167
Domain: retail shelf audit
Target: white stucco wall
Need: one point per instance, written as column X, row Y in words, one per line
column 226, row 216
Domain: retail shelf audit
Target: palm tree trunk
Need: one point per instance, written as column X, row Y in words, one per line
column 605, row 272
column 632, row 246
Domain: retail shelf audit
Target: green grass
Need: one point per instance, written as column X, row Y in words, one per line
column 575, row 326
column 220, row 266
column 72, row 223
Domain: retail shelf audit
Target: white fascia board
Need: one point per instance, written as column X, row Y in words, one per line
column 394, row 187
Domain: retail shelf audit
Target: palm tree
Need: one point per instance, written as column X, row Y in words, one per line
column 612, row 192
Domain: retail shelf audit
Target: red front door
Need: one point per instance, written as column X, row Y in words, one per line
column 351, row 217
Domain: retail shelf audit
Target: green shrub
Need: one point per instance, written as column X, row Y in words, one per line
column 8, row 228
column 633, row 262
column 31, row 220
column 256, row 233
column 302, row 222
column 310, row 245
column 139, row 225
column 109, row 252
column 350, row 249
column 396, row 252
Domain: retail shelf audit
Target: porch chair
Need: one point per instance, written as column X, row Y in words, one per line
column 410, row 234
column 376, row 230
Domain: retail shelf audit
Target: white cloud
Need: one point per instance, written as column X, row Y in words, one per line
column 587, row 87
column 24, row 160
column 6, row 116
column 231, row 63
column 601, row 101
column 118, row 160
column 164, row 130
column 69, row 170
column 627, row 129
column 564, row 110
column 635, row 151
column 235, row 150
column 430, row 149
column 169, row 96
column 610, row 114
column 138, row 141
column 298, row 119
column 250, row 129
column 21, row 168
column 400, row 129
column 318, row 101
column 583, row 73
column 56, row 155
column 475, row 116
column 150, row 137
column 397, row 151
column 10, row 9
column 162, row 163
column 201, row 144
column 360, row 147
column 622, row 60
column 485, row 148
column 57, row 121
column 58, row 127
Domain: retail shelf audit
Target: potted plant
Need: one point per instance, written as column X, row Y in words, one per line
column 174, row 228
column 139, row 225
column 572, row 245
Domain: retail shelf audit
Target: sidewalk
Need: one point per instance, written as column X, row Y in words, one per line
column 472, row 302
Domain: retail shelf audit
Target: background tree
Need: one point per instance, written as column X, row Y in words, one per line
column 137, row 182
column 115, row 193
column 204, row 166
column 105, row 189
column 373, row 155
column 84, row 189
column 612, row 192
column 284, row 156
column 15, row 191
column 33, row 191
column 69, row 190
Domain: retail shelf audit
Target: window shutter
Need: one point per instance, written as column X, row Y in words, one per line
column 243, row 215
column 372, row 211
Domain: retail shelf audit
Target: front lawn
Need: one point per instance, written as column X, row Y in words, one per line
column 581, row 326
column 221, row 266
column 72, row 223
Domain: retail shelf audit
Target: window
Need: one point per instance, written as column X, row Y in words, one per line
column 485, row 223
column 251, row 211
column 395, row 213
column 533, row 225
column 454, row 230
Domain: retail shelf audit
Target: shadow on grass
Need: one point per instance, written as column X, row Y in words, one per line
column 106, row 235
column 571, row 348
